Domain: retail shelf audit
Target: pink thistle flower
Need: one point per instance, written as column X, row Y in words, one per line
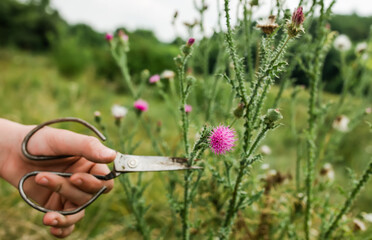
column 109, row 37
column 188, row 108
column 141, row 105
column 123, row 36
column 190, row 42
column 222, row 139
column 155, row 78
column 298, row 16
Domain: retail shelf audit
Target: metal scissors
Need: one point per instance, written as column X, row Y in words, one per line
column 122, row 164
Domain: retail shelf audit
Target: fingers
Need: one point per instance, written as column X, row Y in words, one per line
column 51, row 141
column 90, row 184
column 62, row 232
column 61, row 226
column 62, row 186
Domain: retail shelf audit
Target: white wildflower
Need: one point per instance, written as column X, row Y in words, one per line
column 272, row 172
column 368, row 110
column 341, row 123
column 167, row 74
column 328, row 172
column 266, row 150
column 367, row 217
column 361, row 47
column 265, row 166
column 359, row 225
column 342, row 43
column 119, row 111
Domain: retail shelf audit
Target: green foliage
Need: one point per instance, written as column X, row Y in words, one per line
column 149, row 53
column 70, row 57
column 354, row 26
column 27, row 25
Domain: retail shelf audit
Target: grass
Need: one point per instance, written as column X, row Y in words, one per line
column 32, row 91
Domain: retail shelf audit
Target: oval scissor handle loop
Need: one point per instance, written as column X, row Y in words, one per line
column 42, row 209
column 38, row 127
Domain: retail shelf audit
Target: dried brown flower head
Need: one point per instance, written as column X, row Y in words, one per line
column 268, row 26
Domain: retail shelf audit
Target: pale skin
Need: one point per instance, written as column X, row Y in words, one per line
column 50, row 190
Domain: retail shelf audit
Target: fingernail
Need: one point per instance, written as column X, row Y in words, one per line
column 108, row 153
column 55, row 222
column 43, row 181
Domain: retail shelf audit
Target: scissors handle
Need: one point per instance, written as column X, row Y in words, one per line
column 76, row 210
column 43, row 158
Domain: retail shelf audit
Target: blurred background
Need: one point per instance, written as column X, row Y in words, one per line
column 55, row 62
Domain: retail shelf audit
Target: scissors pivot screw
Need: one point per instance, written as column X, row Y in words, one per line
column 132, row 163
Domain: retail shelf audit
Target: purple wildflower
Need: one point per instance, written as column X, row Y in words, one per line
column 154, row 78
column 123, row 36
column 141, row 105
column 295, row 26
column 188, row 108
column 109, row 37
column 222, row 139
column 298, row 16
column 190, row 42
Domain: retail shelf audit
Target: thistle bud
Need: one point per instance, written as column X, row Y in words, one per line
column 145, row 74
column 190, row 42
column 159, row 124
column 272, row 116
column 190, row 80
column 188, row 108
column 298, row 17
column 97, row 117
column 294, row 27
column 239, row 110
column 124, row 40
column 109, row 37
column 178, row 61
column 124, row 37
column 186, row 49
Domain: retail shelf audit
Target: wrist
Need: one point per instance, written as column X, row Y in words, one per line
column 11, row 135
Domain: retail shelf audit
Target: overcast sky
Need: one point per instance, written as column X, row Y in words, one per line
column 107, row 15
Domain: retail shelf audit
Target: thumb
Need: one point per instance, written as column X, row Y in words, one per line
column 51, row 142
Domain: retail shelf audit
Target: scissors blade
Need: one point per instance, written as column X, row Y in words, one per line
column 133, row 163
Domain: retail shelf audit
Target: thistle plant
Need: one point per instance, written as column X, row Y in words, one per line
column 272, row 63
column 119, row 47
column 234, row 128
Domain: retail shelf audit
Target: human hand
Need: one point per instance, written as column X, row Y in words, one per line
column 47, row 189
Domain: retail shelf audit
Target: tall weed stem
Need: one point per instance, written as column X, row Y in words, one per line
column 349, row 201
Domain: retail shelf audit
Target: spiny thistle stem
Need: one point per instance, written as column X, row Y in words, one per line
column 229, row 219
column 281, row 49
column 314, row 92
column 184, row 117
column 349, row 201
column 184, row 90
column 247, row 33
column 197, row 150
column 121, row 60
column 234, row 57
